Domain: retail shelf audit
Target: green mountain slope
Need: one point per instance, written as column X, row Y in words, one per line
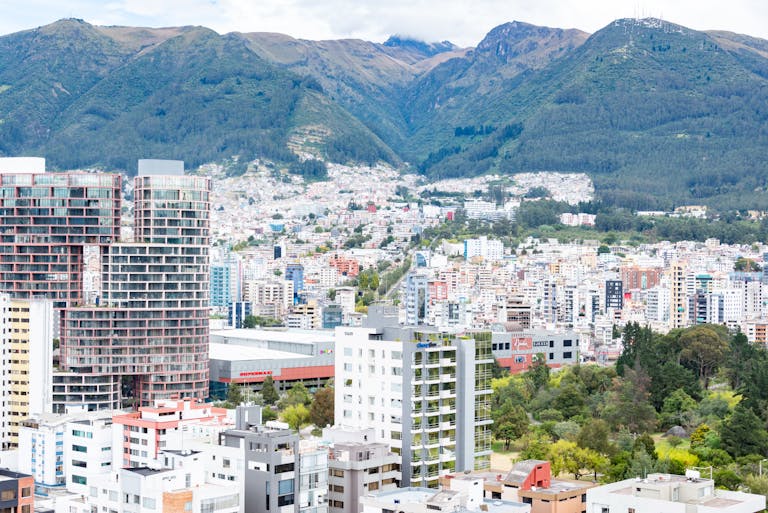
column 185, row 93
column 43, row 71
column 658, row 114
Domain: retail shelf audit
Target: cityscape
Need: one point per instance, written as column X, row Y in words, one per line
column 246, row 273
column 159, row 354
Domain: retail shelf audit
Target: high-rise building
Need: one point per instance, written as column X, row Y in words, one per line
column 295, row 273
column 678, row 303
column 426, row 393
column 614, row 294
column 152, row 321
column 48, row 220
column 416, row 298
column 26, row 349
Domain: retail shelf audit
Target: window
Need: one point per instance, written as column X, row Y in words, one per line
column 7, row 495
column 630, row 510
column 26, row 491
column 79, row 480
column 148, row 503
column 337, row 473
column 567, row 343
column 551, row 356
column 79, row 448
column 567, row 355
column 285, row 500
column 26, row 508
column 285, row 486
column 285, row 467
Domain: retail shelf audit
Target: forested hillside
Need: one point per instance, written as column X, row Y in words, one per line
column 712, row 387
column 657, row 114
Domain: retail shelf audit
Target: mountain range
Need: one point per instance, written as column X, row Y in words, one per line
column 656, row 113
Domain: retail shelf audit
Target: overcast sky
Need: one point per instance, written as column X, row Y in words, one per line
column 463, row 22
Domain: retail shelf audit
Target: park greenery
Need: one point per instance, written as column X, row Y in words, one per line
column 298, row 406
column 708, row 386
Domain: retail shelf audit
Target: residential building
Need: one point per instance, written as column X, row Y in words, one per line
column 41, row 441
column 48, row 220
column 16, row 492
column 358, row 467
column 427, row 393
column 28, row 352
column 279, row 476
column 151, row 323
column 277, row 293
column 464, row 494
column 305, row 316
column 487, row 249
column 179, row 485
column 141, row 435
column 333, row 316
column 294, row 272
column 670, row 493
column 416, row 298
column 614, row 294
column 678, row 303
column 518, row 311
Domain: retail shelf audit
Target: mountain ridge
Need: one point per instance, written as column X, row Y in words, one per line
column 655, row 112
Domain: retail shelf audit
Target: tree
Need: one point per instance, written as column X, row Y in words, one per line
column 628, row 404
column 746, row 265
column 321, row 410
column 234, row 394
column 704, row 348
column 298, row 394
column 744, row 433
column 296, row 416
column 538, row 372
column 594, row 435
column 678, row 409
column 268, row 391
column 511, row 424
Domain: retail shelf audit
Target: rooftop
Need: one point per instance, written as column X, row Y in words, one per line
column 237, row 352
column 297, row 336
column 146, row 471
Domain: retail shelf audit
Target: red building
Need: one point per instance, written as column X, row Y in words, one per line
column 637, row 278
column 17, row 492
column 346, row 266
column 438, row 290
column 46, row 221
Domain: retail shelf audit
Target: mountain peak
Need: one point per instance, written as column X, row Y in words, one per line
column 510, row 40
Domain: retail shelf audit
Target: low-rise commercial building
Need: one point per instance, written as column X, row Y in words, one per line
column 289, row 356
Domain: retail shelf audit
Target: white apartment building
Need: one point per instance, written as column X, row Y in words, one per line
column 487, row 249
column 179, row 486
column 670, row 493
column 464, row 495
column 87, row 449
column 65, row 450
column 41, row 441
column 426, row 394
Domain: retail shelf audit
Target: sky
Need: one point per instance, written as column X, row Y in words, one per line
column 463, row 22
